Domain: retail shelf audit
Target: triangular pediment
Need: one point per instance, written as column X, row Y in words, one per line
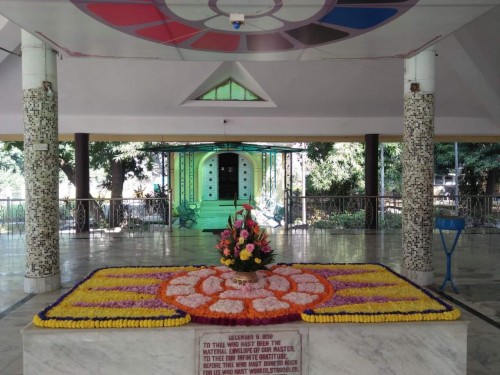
column 229, row 75
column 230, row 90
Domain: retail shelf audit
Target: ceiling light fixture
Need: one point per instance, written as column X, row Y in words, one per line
column 237, row 19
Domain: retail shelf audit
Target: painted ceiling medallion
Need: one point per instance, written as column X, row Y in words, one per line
column 270, row 25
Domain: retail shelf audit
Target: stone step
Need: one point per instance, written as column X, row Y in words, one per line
column 220, row 208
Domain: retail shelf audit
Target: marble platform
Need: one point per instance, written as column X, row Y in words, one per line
column 293, row 348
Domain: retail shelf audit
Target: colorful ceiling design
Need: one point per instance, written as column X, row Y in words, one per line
column 270, row 25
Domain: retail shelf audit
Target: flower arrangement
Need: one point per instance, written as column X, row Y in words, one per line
column 244, row 246
column 129, row 297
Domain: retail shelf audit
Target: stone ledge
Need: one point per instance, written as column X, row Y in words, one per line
column 381, row 348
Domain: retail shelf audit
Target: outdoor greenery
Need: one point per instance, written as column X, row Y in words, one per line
column 113, row 162
column 118, row 162
column 338, row 168
column 479, row 164
column 11, row 168
column 356, row 220
column 333, row 169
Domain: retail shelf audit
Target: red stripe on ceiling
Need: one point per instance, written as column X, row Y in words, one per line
column 126, row 14
column 172, row 32
column 218, row 42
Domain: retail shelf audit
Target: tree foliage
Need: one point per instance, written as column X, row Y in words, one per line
column 336, row 169
column 11, row 168
column 11, row 157
column 479, row 162
column 318, row 151
column 393, row 167
column 444, row 158
column 119, row 160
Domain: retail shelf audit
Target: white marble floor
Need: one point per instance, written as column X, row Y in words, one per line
column 475, row 271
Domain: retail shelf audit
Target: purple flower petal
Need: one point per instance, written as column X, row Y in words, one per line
column 150, row 304
column 146, row 289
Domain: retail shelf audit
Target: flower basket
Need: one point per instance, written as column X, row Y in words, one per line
column 243, row 278
column 244, row 246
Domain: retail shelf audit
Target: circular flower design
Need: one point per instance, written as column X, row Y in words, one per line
column 270, row 25
column 281, row 294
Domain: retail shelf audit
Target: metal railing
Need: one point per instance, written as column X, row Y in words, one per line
column 350, row 212
column 136, row 216
column 100, row 216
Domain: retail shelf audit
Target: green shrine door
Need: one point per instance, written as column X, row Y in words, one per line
column 228, row 175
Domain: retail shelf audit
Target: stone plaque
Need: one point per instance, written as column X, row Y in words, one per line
column 250, row 352
column 40, row 146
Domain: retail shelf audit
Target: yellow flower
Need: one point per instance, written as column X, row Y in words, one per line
column 245, row 254
column 241, row 240
column 257, row 260
column 223, row 261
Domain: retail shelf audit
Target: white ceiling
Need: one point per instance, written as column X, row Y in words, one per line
column 333, row 91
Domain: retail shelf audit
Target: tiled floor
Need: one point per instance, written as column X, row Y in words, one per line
column 475, row 270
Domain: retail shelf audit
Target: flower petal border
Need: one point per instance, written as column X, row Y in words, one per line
column 446, row 312
column 433, row 309
column 177, row 318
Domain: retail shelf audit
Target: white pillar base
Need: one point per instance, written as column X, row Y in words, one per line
column 422, row 278
column 35, row 285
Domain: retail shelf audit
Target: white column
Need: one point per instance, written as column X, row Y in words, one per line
column 418, row 167
column 41, row 165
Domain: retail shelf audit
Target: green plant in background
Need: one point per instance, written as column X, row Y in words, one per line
column 157, row 206
column 352, row 220
column 335, row 168
column 391, row 221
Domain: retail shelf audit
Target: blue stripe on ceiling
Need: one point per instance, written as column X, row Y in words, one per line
column 358, row 18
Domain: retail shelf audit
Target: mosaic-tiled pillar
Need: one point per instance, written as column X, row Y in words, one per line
column 41, row 166
column 418, row 168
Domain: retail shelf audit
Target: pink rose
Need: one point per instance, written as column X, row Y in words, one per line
column 250, row 247
column 244, row 233
column 266, row 249
column 238, row 223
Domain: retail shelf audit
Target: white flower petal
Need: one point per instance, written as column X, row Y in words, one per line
column 269, row 304
column 186, row 280
column 305, row 278
column 212, row 285
column 228, row 306
column 311, row 287
column 286, row 271
column 300, row 298
column 259, row 293
column 193, row 301
column 202, row 273
column 179, row 290
column 278, row 283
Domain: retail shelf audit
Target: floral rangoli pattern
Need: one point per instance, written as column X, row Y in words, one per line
column 281, row 294
column 169, row 296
